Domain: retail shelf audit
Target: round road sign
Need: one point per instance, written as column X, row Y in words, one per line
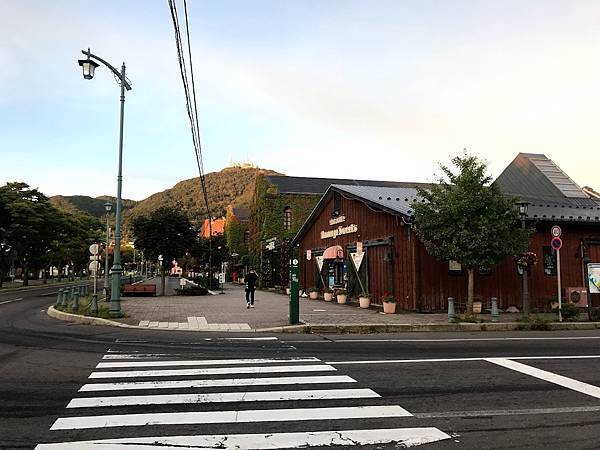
column 555, row 231
column 94, row 266
column 556, row 243
column 94, row 249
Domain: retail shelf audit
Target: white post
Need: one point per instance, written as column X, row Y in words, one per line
column 559, row 289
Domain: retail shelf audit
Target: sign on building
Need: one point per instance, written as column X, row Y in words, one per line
column 594, row 278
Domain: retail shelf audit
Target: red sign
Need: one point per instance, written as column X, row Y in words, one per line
column 555, row 231
column 556, row 243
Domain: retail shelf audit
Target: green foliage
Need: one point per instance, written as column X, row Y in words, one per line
column 89, row 205
column 192, row 290
column 166, row 232
column 205, row 281
column 469, row 318
column 595, row 314
column 466, row 219
column 234, row 234
column 569, row 311
column 312, row 289
column 533, row 322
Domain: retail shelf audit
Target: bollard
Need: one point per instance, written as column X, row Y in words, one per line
column 451, row 314
column 494, row 309
column 66, row 299
column 76, row 302
column 94, row 304
column 59, row 297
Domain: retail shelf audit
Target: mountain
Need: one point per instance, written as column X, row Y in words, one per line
column 90, row 205
column 231, row 186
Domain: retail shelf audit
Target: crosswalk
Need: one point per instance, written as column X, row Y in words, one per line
column 136, row 401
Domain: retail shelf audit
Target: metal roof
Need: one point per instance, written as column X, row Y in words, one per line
column 392, row 198
column 318, row 186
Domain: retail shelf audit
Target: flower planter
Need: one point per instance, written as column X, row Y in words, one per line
column 389, row 307
column 328, row 296
column 341, row 298
column 364, row 302
column 476, row 307
column 313, row 295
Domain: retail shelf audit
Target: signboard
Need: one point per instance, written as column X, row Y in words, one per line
column 337, row 220
column 94, row 249
column 319, row 260
column 308, row 255
column 555, row 231
column 352, row 228
column 357, row 259
column 593, row 278
column 556, row 243
column 221, row 278
column 94, row 266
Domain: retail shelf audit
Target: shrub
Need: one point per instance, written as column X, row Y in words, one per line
column 312, row 289
column 569, row 311
column 341, row 292
column 469, row 318
column 204, row 281
column 327, row 290
column 192, row 290
column 388, row 299
column 365, row 295
column 595, row 314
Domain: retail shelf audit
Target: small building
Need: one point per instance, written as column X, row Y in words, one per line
column 281, row 204
column 217, row 226
column 363, row 239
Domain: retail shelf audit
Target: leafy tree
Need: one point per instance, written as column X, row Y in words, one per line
column 467, row 219
column 167, row 232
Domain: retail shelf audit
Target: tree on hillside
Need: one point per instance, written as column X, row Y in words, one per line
column 467, row 219
column 167, row 232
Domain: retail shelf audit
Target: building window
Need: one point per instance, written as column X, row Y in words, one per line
column 337, row 204
column 287, row 218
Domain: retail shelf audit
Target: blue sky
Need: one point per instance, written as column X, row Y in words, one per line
column 360, row 89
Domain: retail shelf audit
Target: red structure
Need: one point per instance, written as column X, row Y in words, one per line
column 218, row 228
column 379, row 220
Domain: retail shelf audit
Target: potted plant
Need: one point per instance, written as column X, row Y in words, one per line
column 313, row 293
column 328, row 294
column 389, row 304
column 341, row 296
column 364, row 300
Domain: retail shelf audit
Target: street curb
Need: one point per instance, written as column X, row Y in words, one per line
column 42, row 286
column 85, row 320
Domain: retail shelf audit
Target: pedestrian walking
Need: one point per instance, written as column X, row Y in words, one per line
column 251, row 279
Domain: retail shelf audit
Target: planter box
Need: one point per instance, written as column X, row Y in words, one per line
column 313, row 295
column 364, row 302
column 389, row 307
column 341, row 299
column 328, row 296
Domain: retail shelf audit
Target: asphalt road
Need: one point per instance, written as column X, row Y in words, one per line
column 460, row 390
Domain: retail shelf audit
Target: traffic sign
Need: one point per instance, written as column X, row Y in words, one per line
column 95, row 257
column 555, row 231
column 94, row 265
column 556, row 243
column 94, row 249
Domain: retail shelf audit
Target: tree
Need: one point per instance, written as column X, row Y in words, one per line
column 467, row 219
column 167, row 232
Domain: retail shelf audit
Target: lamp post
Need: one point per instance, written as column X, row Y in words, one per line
column 89, row 66
column 523, row 206
column 107, row 208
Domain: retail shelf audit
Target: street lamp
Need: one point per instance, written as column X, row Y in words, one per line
column 89, row 66
column 523, row 206
column 107, row 208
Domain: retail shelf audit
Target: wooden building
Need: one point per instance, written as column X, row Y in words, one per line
column 362, row 238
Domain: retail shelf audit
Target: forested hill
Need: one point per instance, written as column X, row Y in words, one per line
column 230, row 186
column 90, row 205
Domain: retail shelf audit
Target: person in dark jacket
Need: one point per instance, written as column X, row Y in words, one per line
column 250, row 280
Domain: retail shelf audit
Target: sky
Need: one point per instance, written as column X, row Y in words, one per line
column 382, row 90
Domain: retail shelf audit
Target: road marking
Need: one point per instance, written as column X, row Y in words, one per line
column 196, row 362
column 10, row 301
column 507, row 412
column 246, row 416
column 222, row 397
column 404, row 437
column 252, row 339
column 178, row 384
column 138, row 355
column 212, row 371
column 435, row 360
column 129, row 341
column 570, row 383
column 566, row 338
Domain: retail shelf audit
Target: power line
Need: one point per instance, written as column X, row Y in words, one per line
column 191, row 104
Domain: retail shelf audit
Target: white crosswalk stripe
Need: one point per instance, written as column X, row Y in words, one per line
column 125, row 413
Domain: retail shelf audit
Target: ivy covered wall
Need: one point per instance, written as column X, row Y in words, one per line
column 267, row 216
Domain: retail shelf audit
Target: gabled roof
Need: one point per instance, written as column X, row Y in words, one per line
column 318, row 186
column 535, row 175
column 243, row 214
column 394, row 200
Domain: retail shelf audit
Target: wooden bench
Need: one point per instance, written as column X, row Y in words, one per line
column 139, row 290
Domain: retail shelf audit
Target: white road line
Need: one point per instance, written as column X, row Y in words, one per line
column 11, row 301
column 435, row 360
column 507, row 412
column 247, row 416
column 113, row 355
column 179, row 384
column 579, row 386
column 403, row 437
column 252, row 339
column 222, row 397
column 197, row 362
column 565, row 338
column 212, row 371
